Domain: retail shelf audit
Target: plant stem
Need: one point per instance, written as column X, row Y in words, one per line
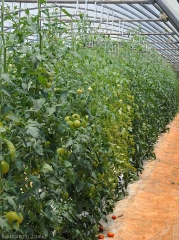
column 3, row 38
column 39, row 25
column 40, row 42
column 3, row 61
column 1, row 191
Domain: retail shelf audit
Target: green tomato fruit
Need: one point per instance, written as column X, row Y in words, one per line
column 57, row 90
column 13, row 216
column 84, row 123
column 47, row 144
column 79, row 91
column 27, row 170
column 90, row 89
column 51, row 79
column 4, row 167
column 76, row 116
column 48, row 85
column 77, row 123
column 61, row 151
column 17, row 123
column 67, row 118
column 70, row 123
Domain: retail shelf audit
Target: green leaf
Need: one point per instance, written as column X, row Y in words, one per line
column 36, row 184
column 25, row 49
column 67, row 216
column 93, row 174
column 27, row 11
column 44, row 229
column 29, row 85
column 38, row 147
column 33, row 131
column 24, row 197
column 51, row 110
column 79, row 186
column 81, row 16
column 63, row 97
column 70, row 175
column 21, row 91
column 11, row 202
column 6, row 92
column 19, row 165
column 5, row 76
column 33, row 123
column 2, row 129
column 43, row 1
column 37, row 104
column 39, row 57
column 66, row 12
column 46, row 168
column 24, row 86
column 32, row 128
column 53, row 180
column 11, row 147
column 42, row 80
column 69, row 143
column 67, row 164
column 4, row 225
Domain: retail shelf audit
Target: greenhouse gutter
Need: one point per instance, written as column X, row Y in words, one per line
column 88, row 1
column 172, row 18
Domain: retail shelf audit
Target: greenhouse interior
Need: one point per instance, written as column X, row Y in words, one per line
column 89, row 120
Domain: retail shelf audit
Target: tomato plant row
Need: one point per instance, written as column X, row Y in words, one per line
column 73, row 118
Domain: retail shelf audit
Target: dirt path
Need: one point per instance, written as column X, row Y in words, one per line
column 151, row 211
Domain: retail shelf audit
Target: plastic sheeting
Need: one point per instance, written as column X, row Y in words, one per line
column 173, row 5
column 159, row 21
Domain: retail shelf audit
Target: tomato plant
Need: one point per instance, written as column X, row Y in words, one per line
column 72, row 120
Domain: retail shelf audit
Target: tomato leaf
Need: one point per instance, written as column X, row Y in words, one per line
column 38, row 147
column 37, row 104
column 3, row 223
column 46, row 168
column 36, row 184
column 33, row 131
column 6, row 92
column 53, row 180
column 79, row 186
column 51, row 110
column 2, row 129
column 33, row 128
column 67, row 164
column 66, row 12
column 12, row 202
column 43, row 80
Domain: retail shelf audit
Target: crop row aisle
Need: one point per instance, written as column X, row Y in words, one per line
column 78, row 112
column 150, row 211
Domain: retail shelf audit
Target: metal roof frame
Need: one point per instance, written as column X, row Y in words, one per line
column 157, row 20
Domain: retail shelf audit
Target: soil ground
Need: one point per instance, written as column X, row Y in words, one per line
column 151, row 210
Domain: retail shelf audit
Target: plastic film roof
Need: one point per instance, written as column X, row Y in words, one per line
column 158, row 20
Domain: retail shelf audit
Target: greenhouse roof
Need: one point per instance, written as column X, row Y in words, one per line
column 158, row 20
